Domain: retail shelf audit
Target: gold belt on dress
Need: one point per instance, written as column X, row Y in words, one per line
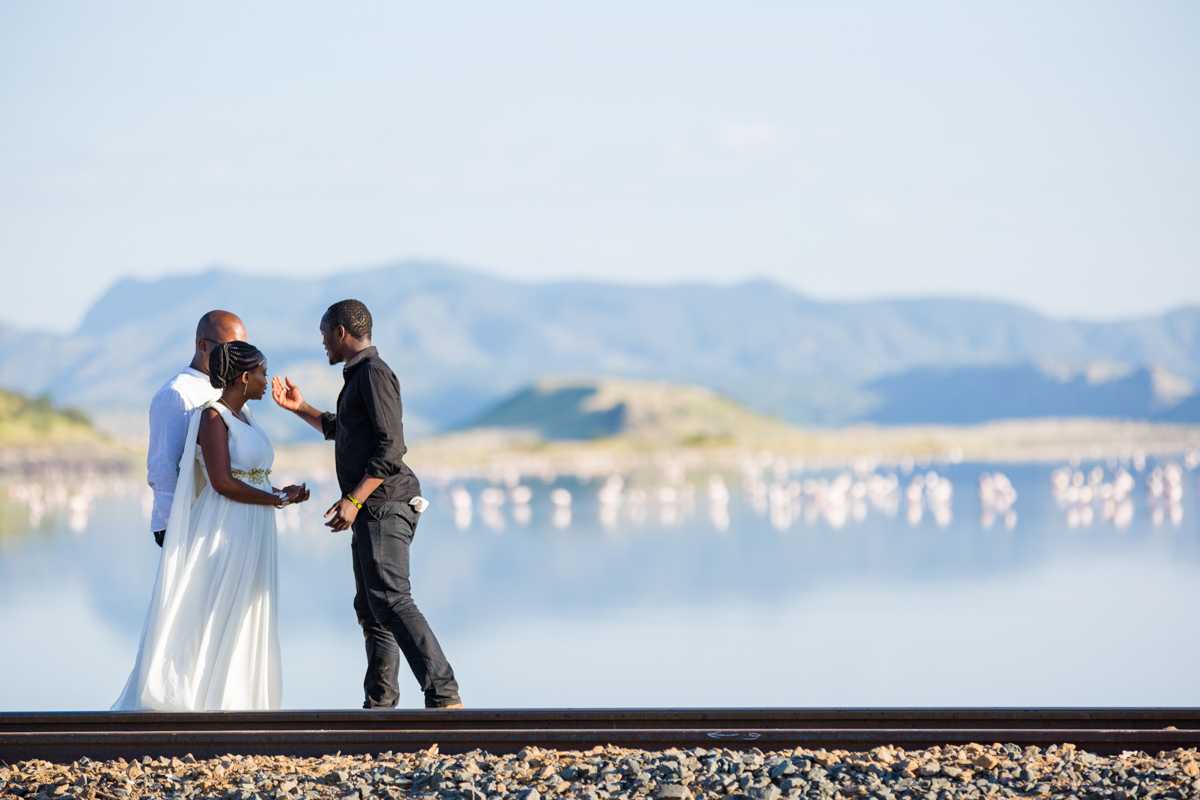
column 254, row 476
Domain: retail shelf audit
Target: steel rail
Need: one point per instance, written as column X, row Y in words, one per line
column 614, row 719
column 69, row 736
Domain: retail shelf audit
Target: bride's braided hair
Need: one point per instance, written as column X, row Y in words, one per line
column 228, row 361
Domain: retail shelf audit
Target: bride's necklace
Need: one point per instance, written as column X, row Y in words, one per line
column 242, row 419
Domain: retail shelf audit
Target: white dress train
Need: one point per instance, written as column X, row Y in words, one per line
column 210, row 641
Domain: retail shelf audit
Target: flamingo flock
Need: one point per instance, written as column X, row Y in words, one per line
column 1080, row 495
column 996, row 499
column 771, row 487
column 75, row 495
column 787, row 493
column 1164, row 492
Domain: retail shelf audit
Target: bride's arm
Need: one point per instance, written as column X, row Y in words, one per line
column 214, row 442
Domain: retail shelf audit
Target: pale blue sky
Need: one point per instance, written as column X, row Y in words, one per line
column 1044, row 153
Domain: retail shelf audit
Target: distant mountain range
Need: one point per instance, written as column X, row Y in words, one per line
column 462, row 341
column 966, row 395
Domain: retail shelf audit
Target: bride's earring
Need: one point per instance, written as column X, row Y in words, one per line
column 245, row 386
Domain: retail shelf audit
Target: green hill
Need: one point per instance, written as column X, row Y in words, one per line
column 29, row 421
column 652, row 413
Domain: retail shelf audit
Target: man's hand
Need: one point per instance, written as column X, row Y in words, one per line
column 344, row 513
column 288, row 396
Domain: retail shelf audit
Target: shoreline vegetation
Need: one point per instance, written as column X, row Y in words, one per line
column 486, row 453
column 39, row 442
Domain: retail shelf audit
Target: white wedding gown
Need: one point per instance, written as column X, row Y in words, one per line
column 210, row 641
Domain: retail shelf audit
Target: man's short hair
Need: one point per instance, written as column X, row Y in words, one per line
column 351, row 315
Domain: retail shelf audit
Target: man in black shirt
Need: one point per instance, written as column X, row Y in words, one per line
column 381, row 501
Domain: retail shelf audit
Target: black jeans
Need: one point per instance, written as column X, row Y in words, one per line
column 387, row 613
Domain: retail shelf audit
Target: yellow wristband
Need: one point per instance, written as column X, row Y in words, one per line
column 357, row 504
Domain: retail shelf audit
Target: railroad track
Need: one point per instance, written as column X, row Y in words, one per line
column 64, row 737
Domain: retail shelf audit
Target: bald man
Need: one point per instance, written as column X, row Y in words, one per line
column 171, row 410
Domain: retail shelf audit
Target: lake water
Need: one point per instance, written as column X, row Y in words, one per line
column 799, row 591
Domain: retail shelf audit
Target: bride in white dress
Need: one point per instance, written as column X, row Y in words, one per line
column 210, row 641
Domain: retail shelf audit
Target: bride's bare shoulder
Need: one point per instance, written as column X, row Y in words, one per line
column 209, row 415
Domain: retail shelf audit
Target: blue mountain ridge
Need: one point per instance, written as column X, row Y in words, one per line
column 462, row 341
column 975, row 394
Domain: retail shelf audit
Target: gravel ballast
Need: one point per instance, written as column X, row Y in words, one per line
column 607, row 773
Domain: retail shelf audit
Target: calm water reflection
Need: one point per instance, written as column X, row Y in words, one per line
column 564, row 601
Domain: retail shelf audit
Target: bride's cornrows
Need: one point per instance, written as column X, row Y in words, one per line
column 228, row 361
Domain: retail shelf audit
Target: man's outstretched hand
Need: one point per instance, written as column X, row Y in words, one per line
column 288, row 396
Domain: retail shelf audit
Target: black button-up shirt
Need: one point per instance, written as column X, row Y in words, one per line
column 367, row 433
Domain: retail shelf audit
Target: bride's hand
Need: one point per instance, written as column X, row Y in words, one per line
column 296, row 494
column 288, row 396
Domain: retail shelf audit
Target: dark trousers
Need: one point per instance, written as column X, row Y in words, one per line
column 390, row 620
